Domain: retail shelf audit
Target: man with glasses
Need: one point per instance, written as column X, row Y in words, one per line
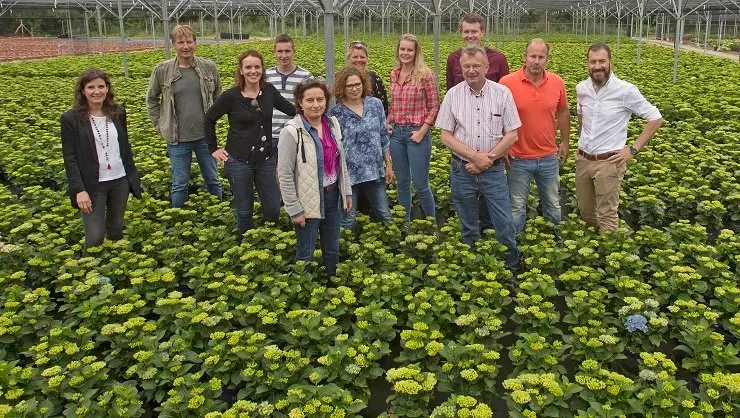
column 472, row 30
column 285, row 76
column 180, row 92
column 479, row 123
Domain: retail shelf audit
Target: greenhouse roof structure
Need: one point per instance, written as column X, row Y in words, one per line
column 495, row 11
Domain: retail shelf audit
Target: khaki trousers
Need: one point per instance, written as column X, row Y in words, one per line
column 597, row 189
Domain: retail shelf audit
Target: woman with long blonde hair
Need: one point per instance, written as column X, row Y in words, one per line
column 414, row 107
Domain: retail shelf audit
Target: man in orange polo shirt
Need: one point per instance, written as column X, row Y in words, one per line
column 540, row 99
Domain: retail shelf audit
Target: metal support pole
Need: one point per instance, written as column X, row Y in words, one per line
column 437, row 23
column 87, row 33
column 202, row 29
column 241, row 32
column 282, row 16
column 304, row 24
column 496, row 21
column 166, row 28
column 100, row 30
column 215, row 28
column 231, row 27
column 123, row 40
column 641, row 10
column 708, row 17
column 69, row 31
column 154, row 34
column 329, row 45
column 345, row 15
column 382, row 27
column 677, row 41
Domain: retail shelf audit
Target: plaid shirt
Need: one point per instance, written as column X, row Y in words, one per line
column 413, row 104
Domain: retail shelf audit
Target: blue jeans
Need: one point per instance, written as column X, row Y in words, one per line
column 376, row 195
column 328, row 227
column 546, row 172
column 242, row 178
column 181, row 156
column 411, row 162
column 492, row 185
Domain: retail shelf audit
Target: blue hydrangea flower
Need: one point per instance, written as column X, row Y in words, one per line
column 636, row 322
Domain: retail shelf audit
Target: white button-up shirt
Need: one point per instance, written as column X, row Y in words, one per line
column 605, row 114
column 478, row 121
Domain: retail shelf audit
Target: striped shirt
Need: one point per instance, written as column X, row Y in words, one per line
column 285, row 83
column 478, row 121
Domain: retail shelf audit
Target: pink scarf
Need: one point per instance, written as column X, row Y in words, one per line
column 331, row 154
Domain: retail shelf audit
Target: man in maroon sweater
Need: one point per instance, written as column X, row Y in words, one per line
column 472, row 30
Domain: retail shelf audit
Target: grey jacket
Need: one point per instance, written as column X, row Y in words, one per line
column 160, row 104
column 300, row 174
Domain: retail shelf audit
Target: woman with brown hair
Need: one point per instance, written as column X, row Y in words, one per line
column 366, row 143
column 97, row 157
column 313, row 174
column 247, row 156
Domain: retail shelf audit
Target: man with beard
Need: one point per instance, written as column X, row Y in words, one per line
column 605, row 105
column 540, row 98
column 479, row 122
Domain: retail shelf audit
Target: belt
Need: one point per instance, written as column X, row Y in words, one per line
column 331, row 187
column 459, row 160
column 597, row 157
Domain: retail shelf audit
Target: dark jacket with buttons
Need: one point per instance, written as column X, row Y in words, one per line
column 81, row 157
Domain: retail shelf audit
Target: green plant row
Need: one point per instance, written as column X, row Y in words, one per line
column 179, row 313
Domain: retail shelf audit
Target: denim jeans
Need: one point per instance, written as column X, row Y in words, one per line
column 328, row 227
column 106, row 218
column 377, row 197
column 492, row 185
column 411, row 162
column 546, row 171
column 181, row 156
column 242, row 178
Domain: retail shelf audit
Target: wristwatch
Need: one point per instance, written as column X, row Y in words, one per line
column 633, row 151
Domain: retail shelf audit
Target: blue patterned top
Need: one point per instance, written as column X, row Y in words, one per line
column 364, row 138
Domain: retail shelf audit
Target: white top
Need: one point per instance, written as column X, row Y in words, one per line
column 110, row 147
column 285, row 83
column 478, row 121
column 605, row 114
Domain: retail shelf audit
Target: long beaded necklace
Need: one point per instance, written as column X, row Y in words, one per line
column 99, row 138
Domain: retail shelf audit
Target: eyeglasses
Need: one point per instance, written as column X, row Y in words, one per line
column 358, row 43
column 256, row 105
column 355, row 86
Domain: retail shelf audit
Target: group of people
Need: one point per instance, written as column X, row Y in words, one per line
column 317, row 160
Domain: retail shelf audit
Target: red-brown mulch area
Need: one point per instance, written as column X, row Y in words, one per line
column 29, row 48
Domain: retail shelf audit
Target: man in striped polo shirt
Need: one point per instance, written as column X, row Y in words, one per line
column 479, row 123
column 285, row 77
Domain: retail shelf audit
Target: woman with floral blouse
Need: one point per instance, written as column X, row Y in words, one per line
column 366, row 142
column 414, row 107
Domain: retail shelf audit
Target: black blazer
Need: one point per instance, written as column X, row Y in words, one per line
column 81, row 156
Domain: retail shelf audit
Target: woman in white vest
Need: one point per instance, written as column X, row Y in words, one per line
column 313, row 176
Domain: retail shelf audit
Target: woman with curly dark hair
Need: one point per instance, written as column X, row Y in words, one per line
column 97, row 157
